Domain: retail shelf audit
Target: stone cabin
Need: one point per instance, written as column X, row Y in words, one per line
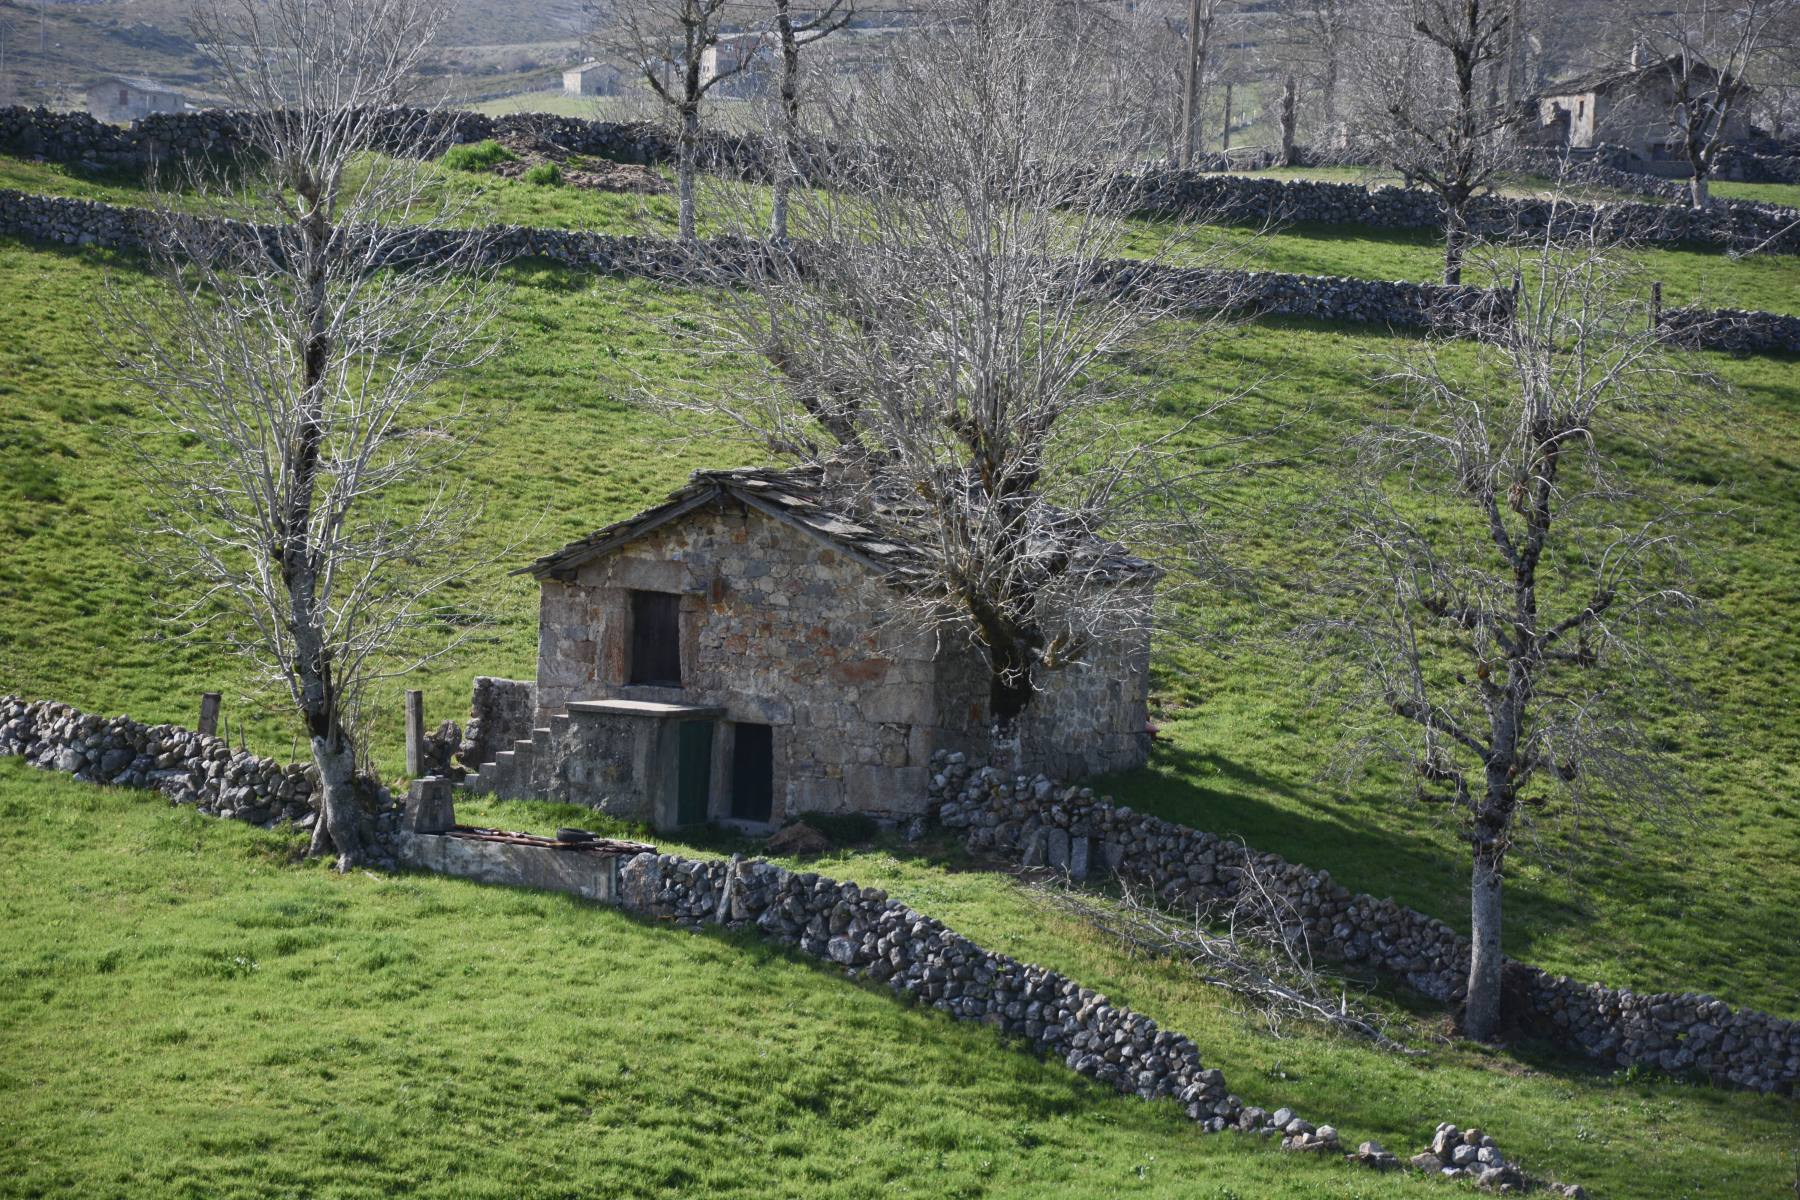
column 1628, row 108
column 125, row 98
column 735, row 654
column 593, row 79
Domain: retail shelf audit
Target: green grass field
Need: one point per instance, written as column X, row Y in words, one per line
column 187, row 1012
column 1691, row 275
column 1708, row 908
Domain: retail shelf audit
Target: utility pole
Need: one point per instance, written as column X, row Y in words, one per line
column 1225, row 137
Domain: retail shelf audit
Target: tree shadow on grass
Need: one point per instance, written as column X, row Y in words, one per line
column 1422, row 866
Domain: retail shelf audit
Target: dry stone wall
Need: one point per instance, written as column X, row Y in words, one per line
column 858, row 929
column 1395, row 304
column 1739, row 224
column 1037, row 822
column 79, row 138
column 873, row 937
column 188, row 767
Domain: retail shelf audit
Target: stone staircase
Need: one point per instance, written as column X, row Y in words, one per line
column 529, row 770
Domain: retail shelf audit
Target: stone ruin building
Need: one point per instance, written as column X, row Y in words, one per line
column 730, row 655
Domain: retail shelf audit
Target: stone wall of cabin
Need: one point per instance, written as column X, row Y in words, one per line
column 777, row 629
column 781, row 629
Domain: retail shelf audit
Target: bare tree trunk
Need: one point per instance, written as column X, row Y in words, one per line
column 1699, row 193
column 1481, row 1017
column 790, row 121
column 688, row 150
column 1190, row 96
column 340, row 817
column 1455, row 239
column 1328, row 98
column 1289, row 102
column 1225, row 130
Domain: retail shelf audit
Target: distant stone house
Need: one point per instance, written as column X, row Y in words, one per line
column 128, row 97
column 592, row 79
column 1628, row 108
column 733, row 654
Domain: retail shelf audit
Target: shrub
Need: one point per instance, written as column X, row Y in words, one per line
column 544, row 174
column 477, row 156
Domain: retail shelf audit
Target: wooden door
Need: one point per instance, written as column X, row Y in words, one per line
column 693, row 771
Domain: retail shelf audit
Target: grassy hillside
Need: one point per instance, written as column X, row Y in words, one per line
column 1243, row 752
column 1694, row 275
column 186, row 1012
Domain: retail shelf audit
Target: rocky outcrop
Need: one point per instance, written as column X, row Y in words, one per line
column 1037, row 822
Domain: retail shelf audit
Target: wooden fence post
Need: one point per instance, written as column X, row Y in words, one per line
column 415, row 734
column 1655, row 305
column 209, row 712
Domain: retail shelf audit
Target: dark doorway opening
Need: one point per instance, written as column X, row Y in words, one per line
column 655, row 640
column 752, row 772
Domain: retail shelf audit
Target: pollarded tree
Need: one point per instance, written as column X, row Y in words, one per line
column 939, row 345
column 681, row 48
column 1425, row 105
column 1509, row 586
column 1706, row 50
column 298, row 500
column 792, row 33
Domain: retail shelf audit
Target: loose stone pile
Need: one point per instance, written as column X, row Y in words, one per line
column 188, row 767
column 1398, row 304
column 1473, row 1155
column 1037, row 822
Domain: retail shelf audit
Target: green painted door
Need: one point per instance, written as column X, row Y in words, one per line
column 693, row 771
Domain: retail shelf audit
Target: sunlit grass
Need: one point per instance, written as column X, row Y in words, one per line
column 184, row 1011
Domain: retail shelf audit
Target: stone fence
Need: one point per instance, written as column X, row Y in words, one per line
column 1395, row 304
column 76, row 137
column 188, row 767
column 1236, row 198
column 1153, row 190
column 1038, row 823
column 858, row 929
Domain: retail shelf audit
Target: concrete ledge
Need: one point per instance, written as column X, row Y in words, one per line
column 590, row 874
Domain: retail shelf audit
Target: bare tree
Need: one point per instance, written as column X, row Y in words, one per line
column 680, row 47
column 791, row 35
column 1202, row 21
column 1509, row 587
column 1425, row 111
column 941, row 348
column 297, row 500
column 1707, row 49
column 1320, row 33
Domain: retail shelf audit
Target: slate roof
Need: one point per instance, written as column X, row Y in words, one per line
column 141, row 83
column 798, row 497
column 1607, row 78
